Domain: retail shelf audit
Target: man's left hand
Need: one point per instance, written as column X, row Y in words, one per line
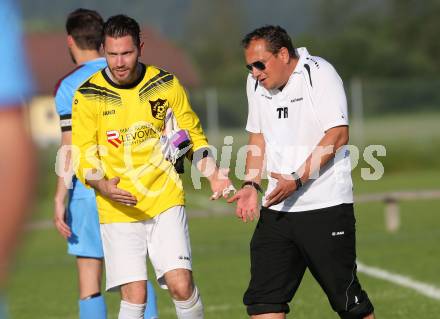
column 221, row 186
column 286, row 186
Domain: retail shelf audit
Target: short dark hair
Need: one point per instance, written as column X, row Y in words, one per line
column 120, row 26
column 85, row 26
column 275, row 36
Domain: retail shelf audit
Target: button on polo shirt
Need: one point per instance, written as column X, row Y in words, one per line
column 293, row 121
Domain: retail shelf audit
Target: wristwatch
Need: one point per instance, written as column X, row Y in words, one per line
column 254, row 185
column 297, row 179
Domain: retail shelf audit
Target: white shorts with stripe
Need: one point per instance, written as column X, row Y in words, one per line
column 164, row 239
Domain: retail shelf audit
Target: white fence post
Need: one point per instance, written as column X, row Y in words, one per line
column 392, row 211
column 392, row 215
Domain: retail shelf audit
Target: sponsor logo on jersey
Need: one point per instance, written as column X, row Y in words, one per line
column 138, row 133
column 113, row 138
column 159, row 108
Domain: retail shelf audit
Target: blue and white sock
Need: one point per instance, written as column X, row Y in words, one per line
column 151, row 310
column 191, row 308
column 93, row 308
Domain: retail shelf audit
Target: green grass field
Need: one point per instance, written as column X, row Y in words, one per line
column 43, row 283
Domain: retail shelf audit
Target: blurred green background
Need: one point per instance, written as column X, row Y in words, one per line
column 387, row 54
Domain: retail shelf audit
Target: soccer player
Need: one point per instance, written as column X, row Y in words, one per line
column 16, row 155
column 81, row 226
column 117, row 120
column 298, row 121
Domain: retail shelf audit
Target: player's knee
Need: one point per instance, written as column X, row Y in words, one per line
column 181, row 290
column 358, row 310
column 191, row 307
column 262, row 308
column 190, row 301
column 134, row 292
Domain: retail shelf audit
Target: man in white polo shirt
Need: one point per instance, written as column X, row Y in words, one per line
column 298, row 121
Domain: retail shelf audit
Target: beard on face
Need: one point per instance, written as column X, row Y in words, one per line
column 131, row 76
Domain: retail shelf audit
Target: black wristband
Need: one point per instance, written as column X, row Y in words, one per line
column 200, row 154
column 297, row 179
column 254, row 185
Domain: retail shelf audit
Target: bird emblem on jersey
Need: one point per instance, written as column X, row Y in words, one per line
column 158, row 108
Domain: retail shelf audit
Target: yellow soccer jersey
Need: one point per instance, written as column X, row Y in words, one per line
column 116, row 129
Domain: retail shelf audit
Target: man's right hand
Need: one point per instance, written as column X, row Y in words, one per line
column 247, row 203
column 109, row 188
column 59, row 219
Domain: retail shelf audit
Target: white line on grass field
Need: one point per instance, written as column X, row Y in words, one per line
column 211, row 308
column 425, row 289
column 422, row 288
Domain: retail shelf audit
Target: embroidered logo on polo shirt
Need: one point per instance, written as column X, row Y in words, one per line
column 296, row 100
column 314, row 61
column 266, row 96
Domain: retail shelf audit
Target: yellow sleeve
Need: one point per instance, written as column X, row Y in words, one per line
column 186, row 118
column 85, row 139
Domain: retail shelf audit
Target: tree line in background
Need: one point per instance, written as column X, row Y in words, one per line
column 389, row 39
column 366, row 38
column 399, row 41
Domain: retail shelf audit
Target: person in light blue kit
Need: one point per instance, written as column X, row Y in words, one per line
column 16, row 155
column 80, row 226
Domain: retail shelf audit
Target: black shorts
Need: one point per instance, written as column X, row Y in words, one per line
column 285, row 244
